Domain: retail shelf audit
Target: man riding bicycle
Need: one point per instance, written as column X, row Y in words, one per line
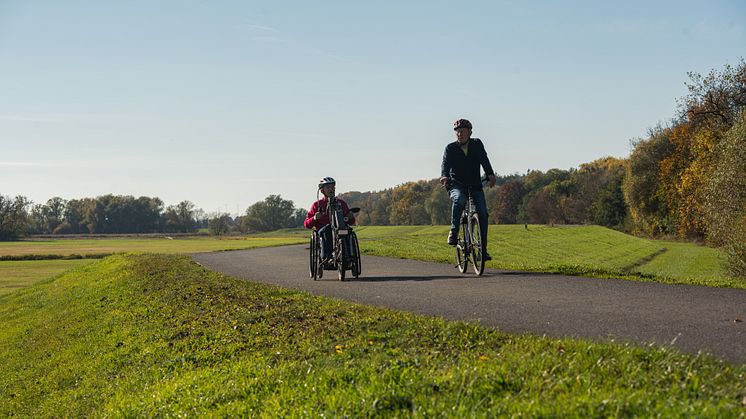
column 318, row 215
column 460, row 170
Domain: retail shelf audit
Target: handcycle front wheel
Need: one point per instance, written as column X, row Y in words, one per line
column 477, row 248
column 313, row 263
column 342, row 259
column 356, row 265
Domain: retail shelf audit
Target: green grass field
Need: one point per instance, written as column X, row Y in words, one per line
column 157, row 245
column 587, row 250
column 20, row 274
column 157, row 335
column 584, row 250
column 15, row 274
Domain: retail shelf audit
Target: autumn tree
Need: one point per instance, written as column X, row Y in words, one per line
column 407, row 204
column 510, row 197
column 725, row 197
column 542, row 207
column 438, row 206
column 717, row 99
column 643, row 188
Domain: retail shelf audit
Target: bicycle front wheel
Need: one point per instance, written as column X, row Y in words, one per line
column 477, row 245
column 462, row 248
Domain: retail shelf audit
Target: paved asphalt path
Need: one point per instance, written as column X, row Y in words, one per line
column 690, row 318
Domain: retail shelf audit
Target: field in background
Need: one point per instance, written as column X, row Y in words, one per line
column 574, row 250
column 152, row 245
column 144, row 335
column 15, row 274
column 23, row 273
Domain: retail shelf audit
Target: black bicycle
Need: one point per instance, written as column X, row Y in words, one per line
column 345, row 248
column 470, row 244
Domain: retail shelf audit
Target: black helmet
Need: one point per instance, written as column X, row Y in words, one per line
column 327, row 181
column 462, row 123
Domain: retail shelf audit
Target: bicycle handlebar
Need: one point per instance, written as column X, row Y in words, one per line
column 484, row 181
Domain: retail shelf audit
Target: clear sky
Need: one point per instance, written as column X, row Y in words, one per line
column 225, row 102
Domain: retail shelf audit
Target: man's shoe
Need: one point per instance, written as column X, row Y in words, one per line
column 487, row 256
column 452, row 240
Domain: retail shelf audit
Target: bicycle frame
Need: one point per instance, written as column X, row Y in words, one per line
column 469, row 248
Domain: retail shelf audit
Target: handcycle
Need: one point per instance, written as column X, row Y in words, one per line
column 470, row 244
column 345, row 248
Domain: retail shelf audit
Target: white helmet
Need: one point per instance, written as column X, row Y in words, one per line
column 327, row 181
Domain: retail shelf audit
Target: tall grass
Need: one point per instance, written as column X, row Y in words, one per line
column 156, row 335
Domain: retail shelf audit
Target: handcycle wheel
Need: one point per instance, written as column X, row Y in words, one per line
column 462, row 249
column 356, row 266
column 477, row 249
column 342, row 260
column 313, row 263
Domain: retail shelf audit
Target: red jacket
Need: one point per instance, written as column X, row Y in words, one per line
column 321, row 206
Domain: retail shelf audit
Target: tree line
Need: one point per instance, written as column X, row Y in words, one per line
column 590, row 194
column 125, row 214
column 107, row 214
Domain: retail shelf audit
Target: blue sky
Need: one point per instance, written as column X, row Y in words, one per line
column 225, row 102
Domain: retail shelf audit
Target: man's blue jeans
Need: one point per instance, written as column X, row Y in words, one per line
column 458, row 198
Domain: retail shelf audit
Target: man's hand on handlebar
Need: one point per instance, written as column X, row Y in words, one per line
column 491, row 181
column 317, row 216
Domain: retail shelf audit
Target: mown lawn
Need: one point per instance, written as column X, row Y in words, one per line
column 97, row 246
column 19, row 273
column 157, row 335
column 575, row 250
column 578, row 250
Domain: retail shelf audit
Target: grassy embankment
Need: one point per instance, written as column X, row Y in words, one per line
column 147, row 335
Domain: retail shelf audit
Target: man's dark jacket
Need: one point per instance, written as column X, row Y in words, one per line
column 464, row 168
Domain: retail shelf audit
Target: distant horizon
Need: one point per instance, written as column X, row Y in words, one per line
column 224, row 104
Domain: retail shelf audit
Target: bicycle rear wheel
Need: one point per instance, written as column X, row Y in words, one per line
column 462, row 248
column 477, row 247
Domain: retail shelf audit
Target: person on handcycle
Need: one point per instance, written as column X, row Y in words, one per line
column 318, row 215
column 460, row 170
